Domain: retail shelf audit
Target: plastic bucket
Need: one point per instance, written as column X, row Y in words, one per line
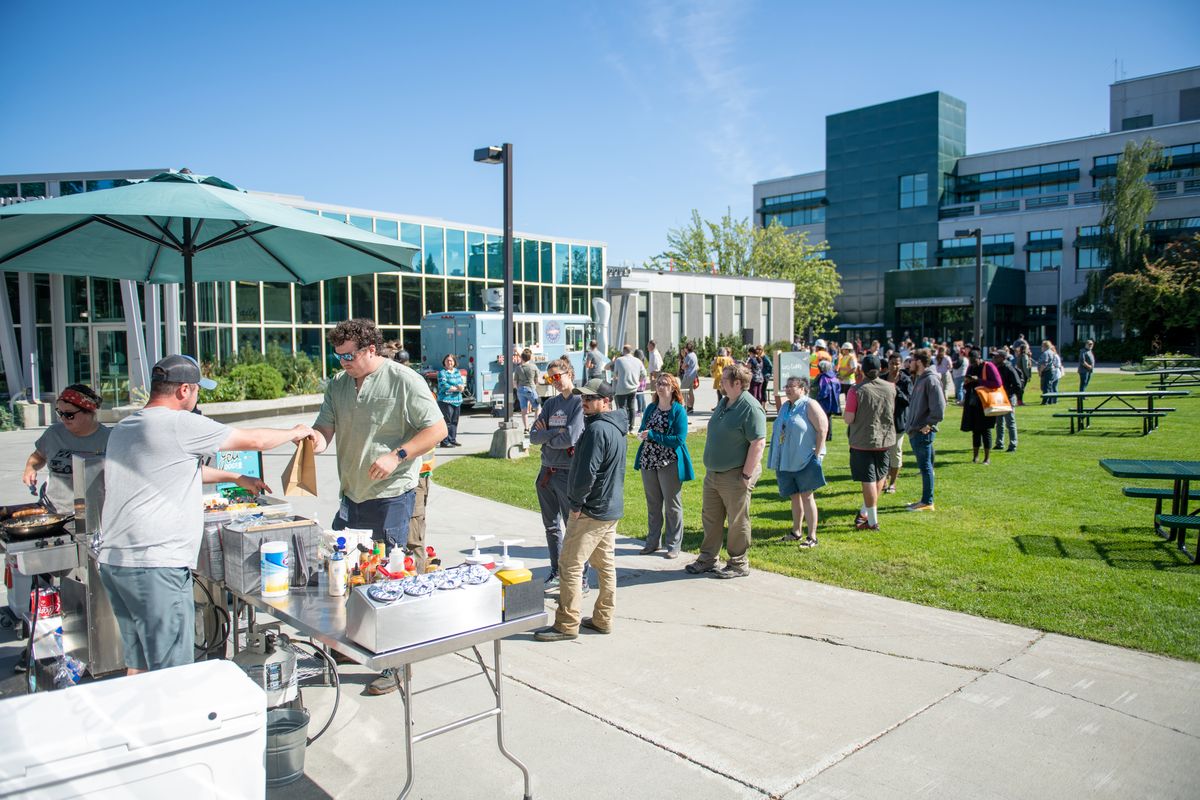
column 287, row 733
column 274, row 566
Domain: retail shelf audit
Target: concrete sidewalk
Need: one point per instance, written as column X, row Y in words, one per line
column 762, row 687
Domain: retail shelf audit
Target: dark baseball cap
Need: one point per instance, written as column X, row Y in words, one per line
column 180, row 369
column 870, row 363
column 596, row 387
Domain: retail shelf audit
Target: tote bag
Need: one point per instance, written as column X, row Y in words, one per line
column 995, row 401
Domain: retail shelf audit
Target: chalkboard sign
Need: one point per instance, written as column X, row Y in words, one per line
column 790, row 363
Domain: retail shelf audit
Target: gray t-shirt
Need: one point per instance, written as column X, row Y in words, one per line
column 58, row 445
column 596, row 362
column 628, row 373
column 153, row 509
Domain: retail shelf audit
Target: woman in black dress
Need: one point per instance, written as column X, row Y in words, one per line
column 983, row 374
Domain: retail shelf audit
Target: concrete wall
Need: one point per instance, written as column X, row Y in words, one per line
column 1154, row 95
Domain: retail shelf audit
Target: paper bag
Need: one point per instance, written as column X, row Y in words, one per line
column 300, row 475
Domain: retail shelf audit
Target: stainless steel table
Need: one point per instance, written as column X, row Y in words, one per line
column 323, row 618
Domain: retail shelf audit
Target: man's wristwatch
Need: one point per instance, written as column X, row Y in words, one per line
column 401, row 454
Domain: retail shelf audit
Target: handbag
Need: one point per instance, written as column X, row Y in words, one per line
column 994, row 401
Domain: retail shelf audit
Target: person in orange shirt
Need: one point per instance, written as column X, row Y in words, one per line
column 819, row 354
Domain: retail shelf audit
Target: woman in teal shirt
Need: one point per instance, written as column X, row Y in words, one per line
column 665, row 464
column 449, row 398
column 797, row 448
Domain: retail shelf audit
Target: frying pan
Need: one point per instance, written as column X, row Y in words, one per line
column 33, row 527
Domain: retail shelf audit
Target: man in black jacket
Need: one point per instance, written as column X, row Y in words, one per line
column 596, row 492
column 1013, row 385
column 897, row 374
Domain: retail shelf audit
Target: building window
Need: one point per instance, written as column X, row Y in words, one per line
column 765, row 320
column 914, row 255
column 1134, row 123
column 1091, row 258
column 914, row 190
column 739, row 315
column 676, row 319
column 1044, row 260
column 710, row 317
column 790, row 219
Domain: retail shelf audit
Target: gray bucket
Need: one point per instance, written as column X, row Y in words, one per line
column 287, row 733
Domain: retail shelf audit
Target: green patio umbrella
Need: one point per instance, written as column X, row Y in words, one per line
column 184, row 228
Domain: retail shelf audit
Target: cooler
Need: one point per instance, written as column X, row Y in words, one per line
column 195, row 732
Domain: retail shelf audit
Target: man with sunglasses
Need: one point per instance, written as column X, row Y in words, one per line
column 385, row 419
column 152, row 520
column 557, row 430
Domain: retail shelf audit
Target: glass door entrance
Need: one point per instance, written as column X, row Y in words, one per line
column 110, row 364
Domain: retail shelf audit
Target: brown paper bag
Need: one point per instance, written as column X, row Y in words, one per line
column 300, row 475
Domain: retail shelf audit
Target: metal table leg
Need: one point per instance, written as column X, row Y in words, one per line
column 500, row 723
column 406, row 698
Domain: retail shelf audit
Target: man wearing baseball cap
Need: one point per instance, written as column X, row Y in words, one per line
column 870, row 427
column 153, row 515
column 596, row 493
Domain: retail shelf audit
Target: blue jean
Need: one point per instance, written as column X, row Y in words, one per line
column 1049, row 385
column 922, row 450
column 386, row 518
column 1008, row 423
column 1085, row 377
column 958, row 388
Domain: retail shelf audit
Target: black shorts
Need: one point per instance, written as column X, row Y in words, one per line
column 868, row 466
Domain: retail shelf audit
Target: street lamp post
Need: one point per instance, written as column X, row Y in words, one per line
column 507, row 442
column 979, row 324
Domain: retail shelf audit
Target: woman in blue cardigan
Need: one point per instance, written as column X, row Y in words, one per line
column 665, row 464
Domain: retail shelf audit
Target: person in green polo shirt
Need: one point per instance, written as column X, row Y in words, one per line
column 737, row 436
column 386, row 419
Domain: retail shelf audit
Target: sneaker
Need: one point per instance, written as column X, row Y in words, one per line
column 860, row 523
column 731, row 572
column 553, row 634
column 386, row 683
column 698, row 566
column 869, row 527
column 647, row 550
column 889, row 490
column 670, row 554
column 1012, row 448
column 551, row 582
column 592, row 626
column 920, row 507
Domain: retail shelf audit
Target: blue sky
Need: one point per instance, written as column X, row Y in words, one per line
column 624, row 115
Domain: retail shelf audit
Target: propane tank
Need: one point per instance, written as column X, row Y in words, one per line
column 270, row 661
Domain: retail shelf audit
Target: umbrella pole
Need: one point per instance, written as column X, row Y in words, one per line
column 189, row 291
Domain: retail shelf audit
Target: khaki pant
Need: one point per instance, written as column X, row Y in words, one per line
column 726, row 497
column 592, row 541
column 416, row 524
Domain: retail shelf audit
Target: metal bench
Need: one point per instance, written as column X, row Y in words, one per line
column 1158, row 496
column 1082, row 419
column 1181, row 523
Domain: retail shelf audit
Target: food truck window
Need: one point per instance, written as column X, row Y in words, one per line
column 576, row 336
column 528, row 333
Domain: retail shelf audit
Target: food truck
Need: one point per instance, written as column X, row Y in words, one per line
column 476, row 339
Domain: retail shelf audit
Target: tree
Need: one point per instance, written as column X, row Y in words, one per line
column 1128, row 201
column 1162, row 300
column 778, row 254
column 735, row 247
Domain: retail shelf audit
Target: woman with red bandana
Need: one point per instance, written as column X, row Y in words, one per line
column 77, row 432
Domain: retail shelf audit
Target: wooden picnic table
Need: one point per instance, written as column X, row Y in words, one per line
column 1182, row 473
column 1122, row 406
column 1168, row 377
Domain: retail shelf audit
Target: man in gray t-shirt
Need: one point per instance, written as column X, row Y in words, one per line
column 594, row 362
column 152, row 521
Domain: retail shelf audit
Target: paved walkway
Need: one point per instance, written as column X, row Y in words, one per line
column 763, row 687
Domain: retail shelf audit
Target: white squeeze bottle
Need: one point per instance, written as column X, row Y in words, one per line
column 337, row 574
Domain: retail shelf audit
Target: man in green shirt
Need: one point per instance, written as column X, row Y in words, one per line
column 386, row 419
column 737, row 436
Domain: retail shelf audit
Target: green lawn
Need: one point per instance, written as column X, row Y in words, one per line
column 1041, row 538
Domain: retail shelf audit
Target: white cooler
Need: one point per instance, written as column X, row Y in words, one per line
column 197, row 731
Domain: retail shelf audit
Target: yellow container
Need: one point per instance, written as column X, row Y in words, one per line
column 510, row 577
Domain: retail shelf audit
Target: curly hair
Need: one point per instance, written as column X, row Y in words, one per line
column 360, row 331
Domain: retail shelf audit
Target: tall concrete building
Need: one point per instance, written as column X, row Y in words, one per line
column 898, row 188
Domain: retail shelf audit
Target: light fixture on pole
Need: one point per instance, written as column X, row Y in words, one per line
column 979, row 326
column 507, row 441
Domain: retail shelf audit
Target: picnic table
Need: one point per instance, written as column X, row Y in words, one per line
column 1173, row 526
column 1123, row 404
column 1168, row 377
column 1172, row 361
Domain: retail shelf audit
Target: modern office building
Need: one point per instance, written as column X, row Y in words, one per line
column 76, row 329
column 899, row 187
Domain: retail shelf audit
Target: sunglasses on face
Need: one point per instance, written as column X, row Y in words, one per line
column 348, row 357
column 555, row 377
column 68, row 415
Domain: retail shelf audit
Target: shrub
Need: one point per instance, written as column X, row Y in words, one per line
column 300, row 373
column 228, row 390
column 262, row 381
column 7, row 423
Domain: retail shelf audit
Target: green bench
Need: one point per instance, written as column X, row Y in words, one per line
column 1158, row 496
column 1181, row 523
column 1082, row 419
